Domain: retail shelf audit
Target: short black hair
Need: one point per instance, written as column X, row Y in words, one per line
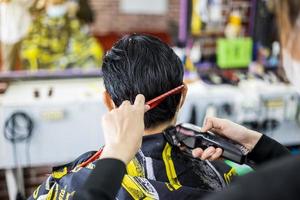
column 143, row 64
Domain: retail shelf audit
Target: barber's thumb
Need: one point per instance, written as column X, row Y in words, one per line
column 146, row 108
column 207, row 124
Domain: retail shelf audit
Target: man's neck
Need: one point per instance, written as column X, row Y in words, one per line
column 158, row 129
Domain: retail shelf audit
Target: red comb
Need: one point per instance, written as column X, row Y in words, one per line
column 157, row 100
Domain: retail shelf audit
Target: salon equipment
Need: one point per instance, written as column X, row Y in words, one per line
column 61, row 116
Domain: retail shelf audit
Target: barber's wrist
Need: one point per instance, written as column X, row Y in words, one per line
column 252, row 139
column 117, row 152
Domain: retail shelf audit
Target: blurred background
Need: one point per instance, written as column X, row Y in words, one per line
column 51, row 85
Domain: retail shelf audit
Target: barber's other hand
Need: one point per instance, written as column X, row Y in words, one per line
column 123, row 129
column 246, row 137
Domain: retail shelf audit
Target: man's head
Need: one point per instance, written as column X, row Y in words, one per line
column 141, row 64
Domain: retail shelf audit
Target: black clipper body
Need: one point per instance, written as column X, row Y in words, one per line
column 190, row 136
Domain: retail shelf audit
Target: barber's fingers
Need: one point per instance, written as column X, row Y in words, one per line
column 216, row 155
column 125, row 103
column 204, row 155
column 140, row 102
column 208, row 153
column 197, row 153
column 212, row 123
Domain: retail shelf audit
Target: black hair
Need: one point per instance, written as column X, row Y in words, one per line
column 143, row 64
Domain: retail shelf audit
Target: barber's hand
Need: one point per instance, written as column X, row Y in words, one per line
column 123, row 129
column 246, row 137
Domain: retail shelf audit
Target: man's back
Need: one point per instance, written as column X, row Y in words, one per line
column 166, row 172
column 158, row 171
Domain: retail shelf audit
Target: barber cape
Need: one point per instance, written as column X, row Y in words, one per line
column 158, row 171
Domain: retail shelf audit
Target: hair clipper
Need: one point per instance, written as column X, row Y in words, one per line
column 190, row 136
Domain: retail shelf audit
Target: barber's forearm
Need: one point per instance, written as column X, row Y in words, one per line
column 105, row 180
column 267, row 149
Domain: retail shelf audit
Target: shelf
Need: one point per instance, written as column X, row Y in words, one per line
column 46, row 74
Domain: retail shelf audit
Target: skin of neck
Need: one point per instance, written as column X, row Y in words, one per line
column 161, row 127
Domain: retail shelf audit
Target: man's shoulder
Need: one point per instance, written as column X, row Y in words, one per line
column 65, row 179
column 61, row 170
column 80, row 159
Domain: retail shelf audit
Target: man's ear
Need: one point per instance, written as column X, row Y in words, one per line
column 108, row 101
column 183, row 95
